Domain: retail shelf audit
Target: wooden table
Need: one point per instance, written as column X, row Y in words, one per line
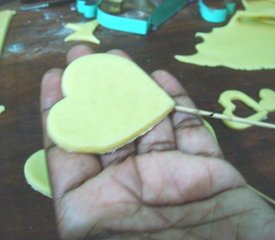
column 35, row 44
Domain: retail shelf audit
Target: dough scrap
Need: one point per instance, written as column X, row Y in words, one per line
column 83, row 32
column 267, row 99
column 109, row 101
column 246, row 43
column 36, row 173
column 210, row 129
column 5, row 18
column 226, row 99
column 259, row 5
column 2, row 109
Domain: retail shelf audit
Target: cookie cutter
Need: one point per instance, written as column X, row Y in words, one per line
column 220, row 11
column 132, row 20
column 87, row 7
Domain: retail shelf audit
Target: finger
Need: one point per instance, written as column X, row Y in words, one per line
column 51, row 91
column 67, row 170
column 118, row 155
column 119, row 53
column 50, row 94
column 127, row 150
column 77, row 52
column 190, row 133
column 161, row 137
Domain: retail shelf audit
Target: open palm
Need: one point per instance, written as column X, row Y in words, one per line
column 171, row 183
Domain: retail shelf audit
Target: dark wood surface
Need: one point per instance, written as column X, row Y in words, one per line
column 35, row 44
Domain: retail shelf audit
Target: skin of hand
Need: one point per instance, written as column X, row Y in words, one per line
column 171, row 183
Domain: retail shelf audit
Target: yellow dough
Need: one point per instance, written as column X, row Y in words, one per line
column 109, row 101
column 36, row 173
column 267, row 99
column 2, row 109
column 210, row 129
column 83, row 32
column 5, row 18
column 259, row 5
column 246, row 43
column 226, row 99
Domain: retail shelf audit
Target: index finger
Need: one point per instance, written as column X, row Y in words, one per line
column 67, row 170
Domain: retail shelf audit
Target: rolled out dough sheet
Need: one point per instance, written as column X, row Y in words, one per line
column 259, row 5
column 246, row 43
column 36, row 173
column 5, row 18
column 109, row 101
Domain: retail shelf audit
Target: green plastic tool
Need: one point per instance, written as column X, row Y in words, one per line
column 215, row 14
column 121, row 15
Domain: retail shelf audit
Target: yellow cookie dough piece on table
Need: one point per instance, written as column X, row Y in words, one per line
column 245, row 43
column 5, row 18
column 36, row 173
column 109, row 102
column 2, row 109
column 210, row 129
column 267, row 99
column 226, row 99
column 83, row 32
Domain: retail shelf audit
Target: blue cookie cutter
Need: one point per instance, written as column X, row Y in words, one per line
column 217, row 15
column 91, row 9
column 87, row 7
column 121, row 23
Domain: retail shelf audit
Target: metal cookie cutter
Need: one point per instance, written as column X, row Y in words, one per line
column 216, row 11
column 134, row 16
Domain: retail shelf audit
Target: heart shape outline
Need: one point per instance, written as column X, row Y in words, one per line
column 226, row 99
column 116, row 85
column 267, row 99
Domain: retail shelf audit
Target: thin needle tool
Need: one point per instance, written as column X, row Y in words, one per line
column 223, row 117
column 265, row 197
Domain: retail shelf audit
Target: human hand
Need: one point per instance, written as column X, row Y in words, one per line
column 171, row 183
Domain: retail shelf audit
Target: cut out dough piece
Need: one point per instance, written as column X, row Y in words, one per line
column 259, row 5
column 210, row 129
column 246, row 43
column 226, row 99
column 267, row 99
column 2, row 109
column 109, row 101
column 83, row 32
column 36, row 173
column 5, row 18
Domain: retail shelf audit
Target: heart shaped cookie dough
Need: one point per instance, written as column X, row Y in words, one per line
column 226, row 99
column 108, row 102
